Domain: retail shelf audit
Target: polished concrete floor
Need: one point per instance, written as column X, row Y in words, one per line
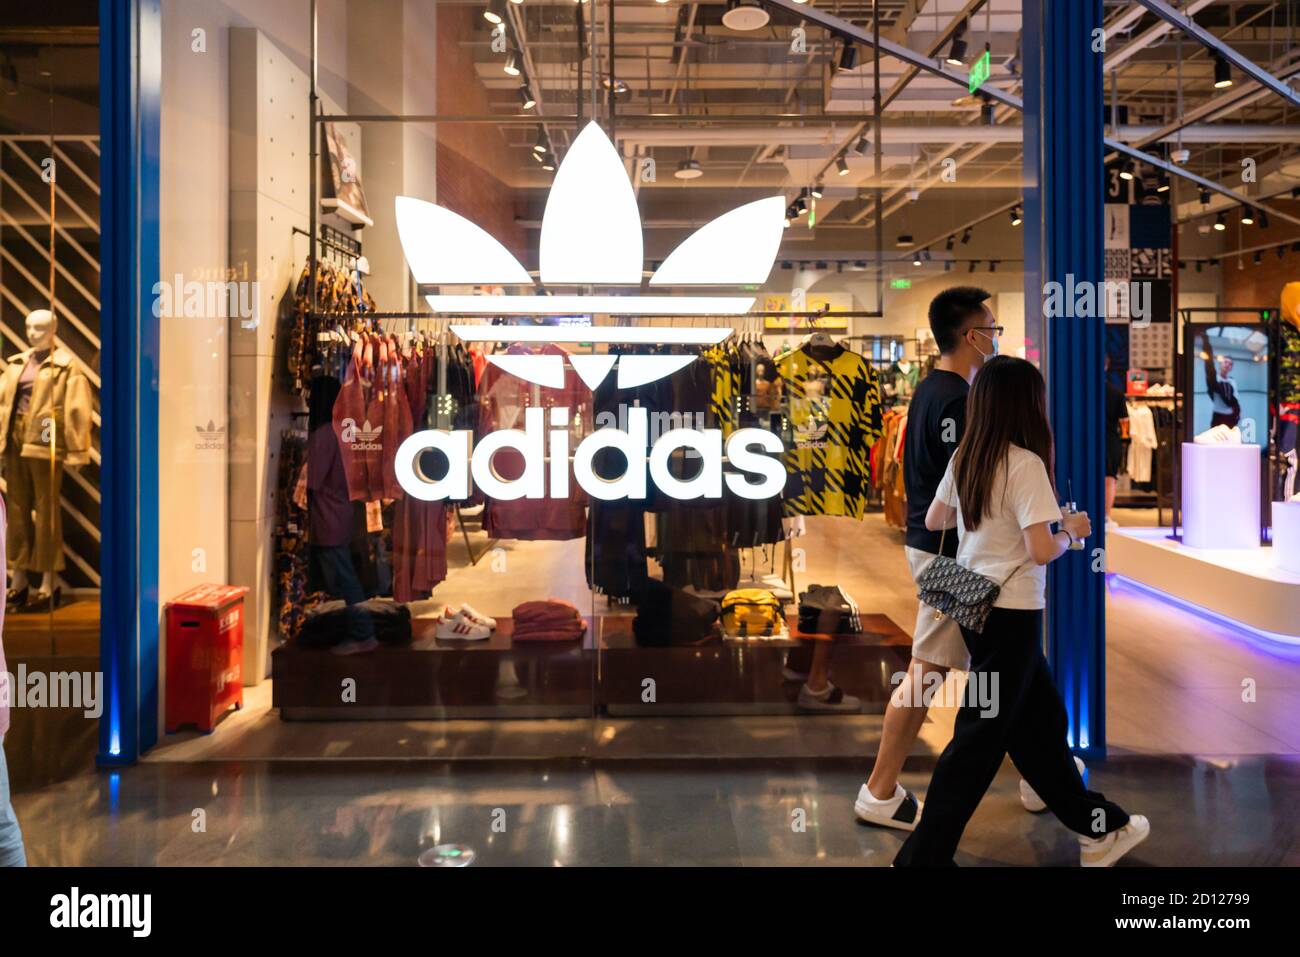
column 1208, row 812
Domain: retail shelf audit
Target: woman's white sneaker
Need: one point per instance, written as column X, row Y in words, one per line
column 1105, row 851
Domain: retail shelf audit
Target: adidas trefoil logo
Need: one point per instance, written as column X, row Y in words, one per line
column 363, row 438
column 591, row 236
column 211, row 437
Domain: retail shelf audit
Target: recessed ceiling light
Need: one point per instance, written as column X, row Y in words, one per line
column 904, row 240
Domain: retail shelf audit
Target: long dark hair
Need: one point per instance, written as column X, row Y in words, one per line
column 1007, row 406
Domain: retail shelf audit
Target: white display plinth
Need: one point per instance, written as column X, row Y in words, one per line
column 1286, row 536
column 1221, row 495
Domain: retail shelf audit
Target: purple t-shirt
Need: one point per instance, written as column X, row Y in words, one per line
column 331, row 512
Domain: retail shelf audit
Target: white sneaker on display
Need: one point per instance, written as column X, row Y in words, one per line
column 1106, row 851
column 476, row 616
column 458, row 627
column 901, row 811
column 1029, row 797
column 1219, row 435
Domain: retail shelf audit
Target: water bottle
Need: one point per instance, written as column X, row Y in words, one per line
column 1076, row 544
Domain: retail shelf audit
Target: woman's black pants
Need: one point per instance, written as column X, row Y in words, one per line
column 1022, row 715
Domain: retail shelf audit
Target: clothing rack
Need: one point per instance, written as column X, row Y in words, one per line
column 335, row 240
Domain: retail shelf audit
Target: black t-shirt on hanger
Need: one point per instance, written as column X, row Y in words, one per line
column 936, row 420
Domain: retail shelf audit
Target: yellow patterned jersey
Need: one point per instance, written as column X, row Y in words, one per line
column 834, row 413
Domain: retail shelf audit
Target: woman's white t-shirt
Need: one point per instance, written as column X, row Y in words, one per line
column 1021, row 496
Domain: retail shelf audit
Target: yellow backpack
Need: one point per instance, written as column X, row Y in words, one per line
column 752, row 613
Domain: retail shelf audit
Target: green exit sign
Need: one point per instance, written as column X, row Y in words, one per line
column 980, row 72
column 900, row 284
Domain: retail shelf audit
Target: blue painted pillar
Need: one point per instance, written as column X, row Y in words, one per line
column 130, row 65
column 1063, row 217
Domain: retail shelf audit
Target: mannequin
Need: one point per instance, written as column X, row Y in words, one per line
column 45, row 413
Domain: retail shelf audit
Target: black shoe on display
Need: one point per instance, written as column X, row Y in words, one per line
column 15, row 598
column 44, row 602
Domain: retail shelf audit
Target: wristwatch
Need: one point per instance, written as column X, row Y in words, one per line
column 1070, row 543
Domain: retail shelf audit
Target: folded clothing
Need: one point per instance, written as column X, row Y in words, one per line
column 668, row 616
column 327, row 624
column 550, row 620
column 828, row 610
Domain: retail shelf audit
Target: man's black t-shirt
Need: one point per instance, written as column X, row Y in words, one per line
column 935, row 422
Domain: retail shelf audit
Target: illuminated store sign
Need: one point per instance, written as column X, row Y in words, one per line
column 751, row 472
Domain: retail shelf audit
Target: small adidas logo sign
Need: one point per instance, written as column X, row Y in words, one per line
column 210, row 438
column 363, row 438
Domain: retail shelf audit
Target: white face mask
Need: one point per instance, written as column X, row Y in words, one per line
column 993, row 339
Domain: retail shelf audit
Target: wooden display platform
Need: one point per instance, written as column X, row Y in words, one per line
column 730, row 676
column 73, row 630
column 433, row 679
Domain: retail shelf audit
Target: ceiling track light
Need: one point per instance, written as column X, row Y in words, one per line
column 1127, row 171
column 848, row 56
column 952, row 241
column 965, row 237
column 925, row 253
column 842, row 165
column 526, row 98
column 993, row 266
column 947, row 265
column 1259, row 257
column 957, row 51
column 1205, row 196
column 1222, row 73
column 1164, row 185
column 1220, row 222
column 548, row 161
column 916, row 260
column 973, row 264
column 986, row 111
column 1247, row 216
column 817, row 191
column 1262, row 219
column 495, row 12
column 860, row 147
column 543, row 144
column 1017, row 217
column 511, row 66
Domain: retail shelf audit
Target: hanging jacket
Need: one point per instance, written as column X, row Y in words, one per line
column 60, row 398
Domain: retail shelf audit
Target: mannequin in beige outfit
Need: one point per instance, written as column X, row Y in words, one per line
column 45, row 412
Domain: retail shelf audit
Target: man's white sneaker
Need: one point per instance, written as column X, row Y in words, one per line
column 459, row 628
column 1105, row 851
column 476, row 616
column 902, row 811
column 1029, row 797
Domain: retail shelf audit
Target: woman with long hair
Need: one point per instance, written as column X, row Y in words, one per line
column 999, row 489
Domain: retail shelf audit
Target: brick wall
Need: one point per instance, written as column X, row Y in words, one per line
column 1261, row 285
column 473, row 162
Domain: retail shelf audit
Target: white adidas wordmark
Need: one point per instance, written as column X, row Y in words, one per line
column 753, row 471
